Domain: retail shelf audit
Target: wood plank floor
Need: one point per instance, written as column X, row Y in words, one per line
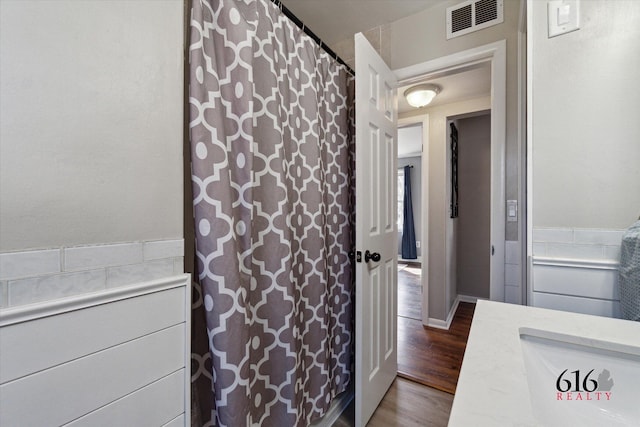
column 406, row 404
column 432, row 356
column 409, row 291
column 429, row 362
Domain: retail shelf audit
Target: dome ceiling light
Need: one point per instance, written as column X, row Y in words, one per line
column 421, row 95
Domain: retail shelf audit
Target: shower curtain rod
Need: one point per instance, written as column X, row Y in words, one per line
column 311, row 34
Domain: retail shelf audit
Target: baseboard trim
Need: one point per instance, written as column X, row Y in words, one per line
column 336, row 409
column 446, row 324
column 469, row 299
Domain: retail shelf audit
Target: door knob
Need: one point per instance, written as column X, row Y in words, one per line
column 373, row 256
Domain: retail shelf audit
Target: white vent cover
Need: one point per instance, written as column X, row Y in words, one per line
column 473, row 15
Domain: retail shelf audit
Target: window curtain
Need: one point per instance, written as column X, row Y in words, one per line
column 272, row 161
column 409, row 250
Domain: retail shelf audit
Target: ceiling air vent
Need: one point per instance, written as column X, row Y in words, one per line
column 473, row 15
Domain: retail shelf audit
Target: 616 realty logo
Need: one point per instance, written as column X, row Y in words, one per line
column 578, row 385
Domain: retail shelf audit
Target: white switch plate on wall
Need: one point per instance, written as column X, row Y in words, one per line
column 563, row 16
column 512, row 210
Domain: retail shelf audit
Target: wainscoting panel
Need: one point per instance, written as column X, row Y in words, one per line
column 91, row 329
column 596, row 307
column 117, row 357
column 177, row 422
column 581, row 281
column 581, row 286
column 141, row 407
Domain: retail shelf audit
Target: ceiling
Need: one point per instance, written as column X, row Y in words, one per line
column 472, row 82
column 336, row 20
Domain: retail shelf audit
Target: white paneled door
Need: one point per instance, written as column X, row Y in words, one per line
column 376, row 229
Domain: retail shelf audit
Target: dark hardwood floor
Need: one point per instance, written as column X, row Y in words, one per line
column 429, row 356
column 406, row 404
column 432, row 356
column 429, row 362
column 409, row 291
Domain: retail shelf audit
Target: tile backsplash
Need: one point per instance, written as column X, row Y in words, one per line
column 577, row 243
column 512, row 273
column 39, row 275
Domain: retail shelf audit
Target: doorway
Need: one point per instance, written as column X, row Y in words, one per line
column 470, row 146
column 409, row 214
column 440, row 296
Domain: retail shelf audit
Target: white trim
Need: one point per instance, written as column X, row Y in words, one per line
column 336, row 409
column 423, row 119
column 187, row 348
column 469, row 299
column 441, row 324
column 529, row 185
column 445, row 324
column 522, row 149
column 576, row 263
column 496, row 53
column 25, row 313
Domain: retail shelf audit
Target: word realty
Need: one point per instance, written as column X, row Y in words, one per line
column 568, row 386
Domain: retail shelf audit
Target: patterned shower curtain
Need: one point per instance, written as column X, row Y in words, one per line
column 271, row 126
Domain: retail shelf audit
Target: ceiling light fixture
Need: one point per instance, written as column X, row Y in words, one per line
column 421, row 95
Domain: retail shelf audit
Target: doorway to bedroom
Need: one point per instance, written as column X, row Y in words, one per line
column 409, row 205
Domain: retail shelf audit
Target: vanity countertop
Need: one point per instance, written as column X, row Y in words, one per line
column 492, row 389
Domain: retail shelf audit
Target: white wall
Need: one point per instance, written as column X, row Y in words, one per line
column 91, row 114
column 584, row 106
column 585, row 110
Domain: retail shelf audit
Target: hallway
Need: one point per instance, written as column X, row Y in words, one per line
column 429, row 356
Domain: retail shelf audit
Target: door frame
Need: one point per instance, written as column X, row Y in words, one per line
column 496, row 54
column 423, row 120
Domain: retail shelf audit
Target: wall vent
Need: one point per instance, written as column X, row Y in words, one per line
column 473, row 15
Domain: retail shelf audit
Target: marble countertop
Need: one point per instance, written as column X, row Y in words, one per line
column 492, row 389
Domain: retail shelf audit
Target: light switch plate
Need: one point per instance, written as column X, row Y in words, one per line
column 563, row 16
column 512, row 210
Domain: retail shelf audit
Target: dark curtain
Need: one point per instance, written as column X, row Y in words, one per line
column 409, row 250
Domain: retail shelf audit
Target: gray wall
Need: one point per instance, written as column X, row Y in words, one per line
column 422, row 37
column 474, row 201
column 585, row 110
column 91, row 113
column 442, row 283
column 416, row 193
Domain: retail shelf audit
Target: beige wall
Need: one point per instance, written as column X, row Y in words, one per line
column 420, row 38
column 474, row 219
column 91, row 122
column 585, row 110
column 442, row 287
